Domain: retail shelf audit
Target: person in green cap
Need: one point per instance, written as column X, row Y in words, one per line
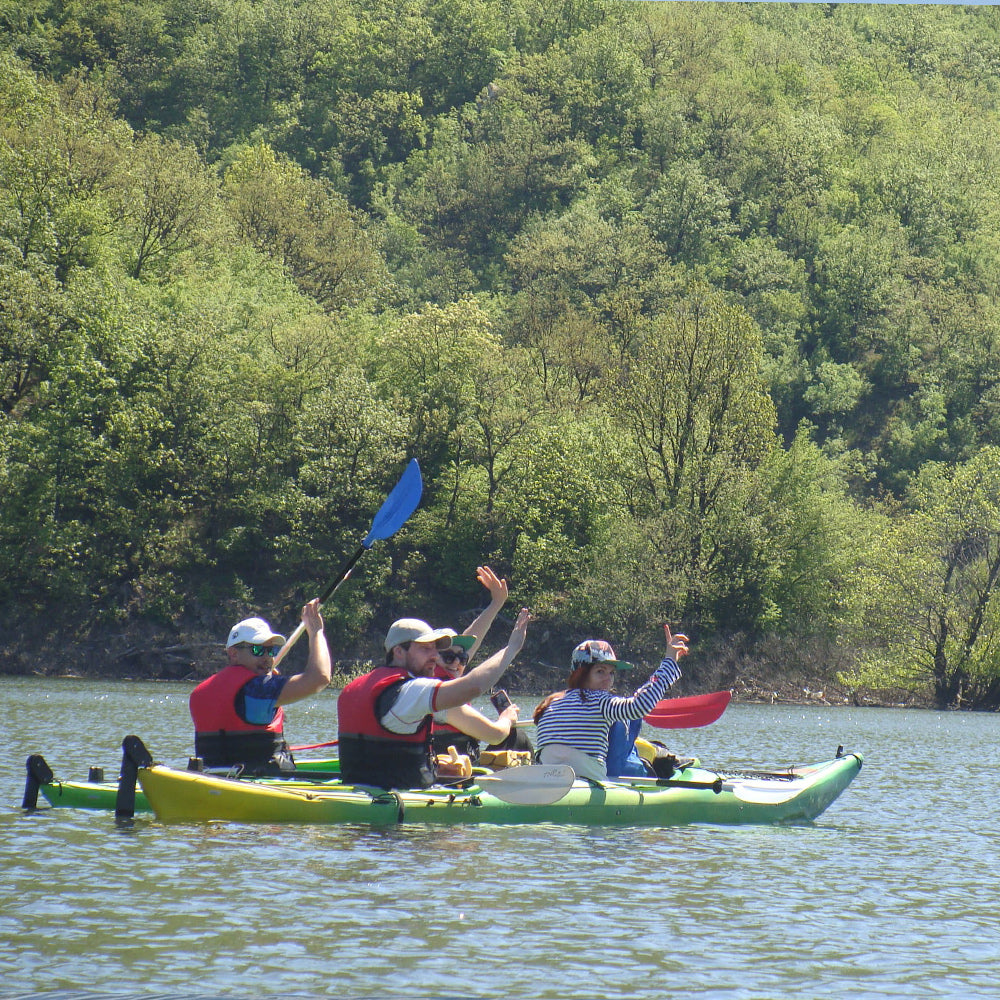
column 468, row 732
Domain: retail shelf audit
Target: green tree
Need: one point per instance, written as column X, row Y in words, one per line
column 33, row 325
column 55, row 161
column 688, row 214
column 929, row 593
column 166, row 198
column 587, row 283
column 425, row 364
column 773, row 290
column 306, row 226
column 691, row 424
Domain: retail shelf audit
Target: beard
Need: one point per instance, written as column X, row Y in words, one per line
column 418, row 668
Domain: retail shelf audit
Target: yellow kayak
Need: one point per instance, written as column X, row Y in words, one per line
column 696, row 795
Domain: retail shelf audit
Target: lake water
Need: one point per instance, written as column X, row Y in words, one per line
column 890, row 893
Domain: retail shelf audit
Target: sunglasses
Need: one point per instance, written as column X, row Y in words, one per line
column 450, row 656
column 257, row 650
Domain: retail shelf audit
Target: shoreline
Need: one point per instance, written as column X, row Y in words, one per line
column 767, row 671
column 801, row 692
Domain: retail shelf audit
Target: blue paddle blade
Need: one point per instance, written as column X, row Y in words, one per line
column 398, row 506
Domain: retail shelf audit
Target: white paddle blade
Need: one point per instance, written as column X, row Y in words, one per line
column 530, row 784
column 771, row 793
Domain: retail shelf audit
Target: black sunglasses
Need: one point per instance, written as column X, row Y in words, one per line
column 450, row 656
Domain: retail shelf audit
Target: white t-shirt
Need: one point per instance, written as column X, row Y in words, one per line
column 415, row 701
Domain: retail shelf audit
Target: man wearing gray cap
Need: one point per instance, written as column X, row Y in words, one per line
column 238, row 713
column 385, row 716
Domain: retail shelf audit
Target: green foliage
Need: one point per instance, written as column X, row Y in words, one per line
column 773, row 288
column 690, row 425
column 662, row 296
column 807, row 531
column 304, row 225
column 688, row 213
column 55, row 162
column 424, row 365
column 165, row 201
column 624, row 586
column 928, row 594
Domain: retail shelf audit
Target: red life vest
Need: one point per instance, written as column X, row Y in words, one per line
column 369, row 753
column 221, row 737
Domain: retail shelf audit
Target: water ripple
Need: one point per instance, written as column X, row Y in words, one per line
column 890, row 893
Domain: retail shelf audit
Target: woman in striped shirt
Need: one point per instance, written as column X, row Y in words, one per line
column 573, row 725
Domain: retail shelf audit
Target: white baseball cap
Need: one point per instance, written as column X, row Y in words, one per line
column 254, row 630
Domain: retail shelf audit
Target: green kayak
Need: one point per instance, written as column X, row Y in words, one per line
column 96, row 793
column 529, row 794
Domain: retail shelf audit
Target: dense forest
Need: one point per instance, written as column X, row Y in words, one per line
column 689, row 312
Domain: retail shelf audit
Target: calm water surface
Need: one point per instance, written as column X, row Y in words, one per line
column 890, row 893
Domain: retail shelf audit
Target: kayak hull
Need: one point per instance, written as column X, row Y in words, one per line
column 192, row 797
column 103, row 794
column 87, row 795
column 796, row 796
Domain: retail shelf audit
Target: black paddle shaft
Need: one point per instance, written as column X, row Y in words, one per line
column 344, row 574
column 715, row 786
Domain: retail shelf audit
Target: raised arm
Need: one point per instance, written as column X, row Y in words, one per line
column 473, row 723
column 498, row 597
column 318, row 670
column 665, row 676
column 480, row 679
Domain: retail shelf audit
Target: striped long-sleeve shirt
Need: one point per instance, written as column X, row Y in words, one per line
column 582, row 719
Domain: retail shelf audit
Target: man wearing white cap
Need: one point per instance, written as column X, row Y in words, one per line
column 385, row 716
column 238, row 713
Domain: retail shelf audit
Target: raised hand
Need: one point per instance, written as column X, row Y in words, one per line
column 676, row 644
column 517, row 636
column 311, row 617
column 498, row 588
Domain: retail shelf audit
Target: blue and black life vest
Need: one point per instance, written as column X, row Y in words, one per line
column 222, row 738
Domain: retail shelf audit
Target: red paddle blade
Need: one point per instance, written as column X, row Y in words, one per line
column 314, row 746
column 689, row 713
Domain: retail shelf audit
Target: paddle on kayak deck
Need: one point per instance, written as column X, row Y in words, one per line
column 529, row 784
